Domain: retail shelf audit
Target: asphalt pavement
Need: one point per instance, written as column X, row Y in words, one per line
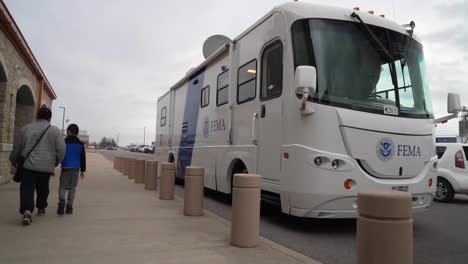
column 440, row 234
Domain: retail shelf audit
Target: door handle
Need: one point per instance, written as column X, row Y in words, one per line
column 263, row 111
column 254, row 134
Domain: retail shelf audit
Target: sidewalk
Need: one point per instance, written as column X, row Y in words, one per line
column 116, row 221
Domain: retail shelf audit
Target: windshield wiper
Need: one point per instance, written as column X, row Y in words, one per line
column 387, row 53
column 373, row 36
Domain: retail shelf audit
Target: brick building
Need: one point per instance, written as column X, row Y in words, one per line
column 23, row 86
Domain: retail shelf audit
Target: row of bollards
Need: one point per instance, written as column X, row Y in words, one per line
column 384, row 224
column 139, row 170
column 245, row 227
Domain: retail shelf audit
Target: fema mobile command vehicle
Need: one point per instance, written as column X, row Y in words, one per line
column 321, row 101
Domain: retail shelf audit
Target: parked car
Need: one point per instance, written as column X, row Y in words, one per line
column 452, row 172
column 153, row 149
column 144, row 149
column 133, row 148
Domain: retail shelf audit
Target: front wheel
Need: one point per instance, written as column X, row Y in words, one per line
column 444, row 192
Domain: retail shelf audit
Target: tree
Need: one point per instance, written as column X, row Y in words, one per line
column 106, row 142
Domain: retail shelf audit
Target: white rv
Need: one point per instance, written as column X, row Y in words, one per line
column 322, row 102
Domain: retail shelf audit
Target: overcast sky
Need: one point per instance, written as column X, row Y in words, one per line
column 109, row 60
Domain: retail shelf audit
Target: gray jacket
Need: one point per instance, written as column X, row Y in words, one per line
column 47, row 154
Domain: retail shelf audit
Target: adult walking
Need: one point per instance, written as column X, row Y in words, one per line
column 46, row 148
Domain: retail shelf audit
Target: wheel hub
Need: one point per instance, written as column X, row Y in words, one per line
column 441, row 191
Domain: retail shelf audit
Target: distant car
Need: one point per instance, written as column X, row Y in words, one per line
column 110, row 148
column 153, row 149
column 133, row 149
column 452, row 172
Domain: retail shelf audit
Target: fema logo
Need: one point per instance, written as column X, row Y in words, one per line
column 385, row 149
column 206, row 128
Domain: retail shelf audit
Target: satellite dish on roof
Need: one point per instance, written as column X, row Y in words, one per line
column 213, row 43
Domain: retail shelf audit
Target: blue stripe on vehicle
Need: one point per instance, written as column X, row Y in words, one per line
column 189, row 123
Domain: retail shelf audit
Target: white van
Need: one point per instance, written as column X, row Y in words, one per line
column 322, row 102
column 452, row 176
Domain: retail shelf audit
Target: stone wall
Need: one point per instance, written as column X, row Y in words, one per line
column 17, row 74
column 46, row 100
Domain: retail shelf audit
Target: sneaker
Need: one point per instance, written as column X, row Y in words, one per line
column 41, row 212
column 27, row 219
column 61, row 209
column 69, row 210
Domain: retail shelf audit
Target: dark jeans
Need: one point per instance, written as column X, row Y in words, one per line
column 34, row 181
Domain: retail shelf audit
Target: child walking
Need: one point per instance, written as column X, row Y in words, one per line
column 73, row 166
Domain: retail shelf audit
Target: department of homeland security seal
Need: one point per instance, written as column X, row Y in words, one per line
column 385, row 149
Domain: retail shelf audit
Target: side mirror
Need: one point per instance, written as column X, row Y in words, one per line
column 306, row 78
column 306, row 81
column 453, row 103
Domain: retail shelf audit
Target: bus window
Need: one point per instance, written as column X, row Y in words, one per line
column 222, row 89
column 163, row 116
column 205, row 96
column 247, row 80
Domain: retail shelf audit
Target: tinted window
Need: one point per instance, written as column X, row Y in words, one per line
column 246, row 91
column 465, row 149
column 222, row 96
column 247, row 72
column 246, row 80
column 205, row 96
column 163, row 116
column 272, row 71
column 353, row 73
column 440, row 151
column 303, row 51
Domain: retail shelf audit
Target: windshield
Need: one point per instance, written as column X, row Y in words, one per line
column 353, row 72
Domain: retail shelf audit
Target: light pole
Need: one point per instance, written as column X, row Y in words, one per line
column 63, row 119
column 144, row 135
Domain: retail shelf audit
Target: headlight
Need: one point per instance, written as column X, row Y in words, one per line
column 318, row 161
column 335, row 164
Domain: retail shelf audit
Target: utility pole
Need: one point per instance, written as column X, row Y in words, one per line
column 63, row 120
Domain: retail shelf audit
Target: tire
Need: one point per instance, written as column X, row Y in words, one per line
column 444, row 192
column 238, row 168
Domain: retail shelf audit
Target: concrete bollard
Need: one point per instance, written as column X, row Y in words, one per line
column 139, row 171
column 194, row 187
column 245, row 227
column 125, row 165
column 167, row 181
column 385, row 228
column 131, row 168
column 151, row 176
column 116, row 161
column 118, row 166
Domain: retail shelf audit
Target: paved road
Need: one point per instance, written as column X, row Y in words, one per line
column 440, row 235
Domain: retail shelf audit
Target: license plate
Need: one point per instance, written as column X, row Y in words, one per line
column 390, row 110
column 401, row 188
